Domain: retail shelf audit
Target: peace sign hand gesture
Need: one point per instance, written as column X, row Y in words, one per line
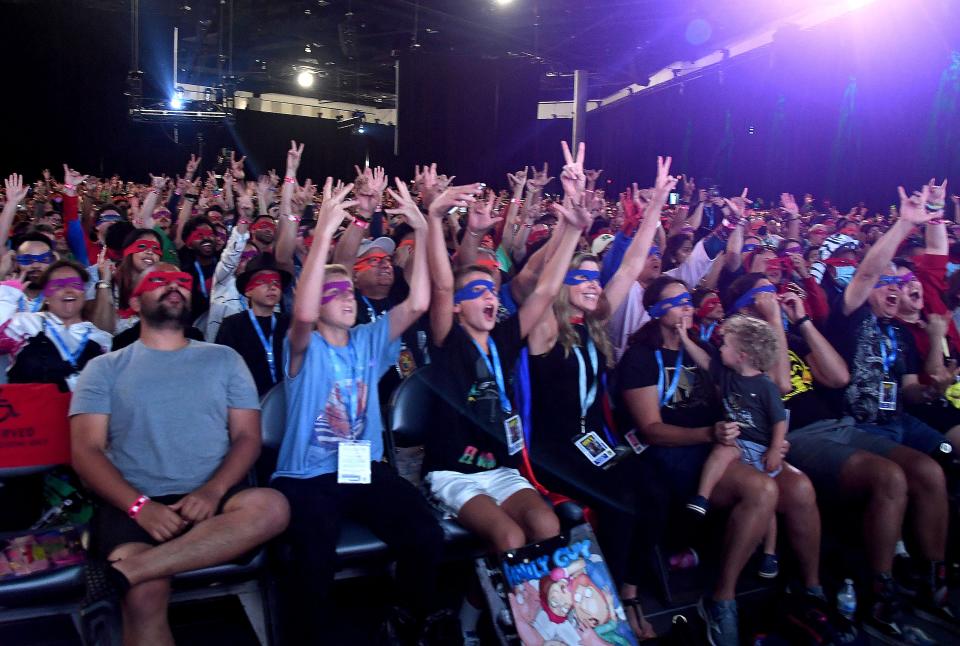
column 293, row 158
column 572, row 177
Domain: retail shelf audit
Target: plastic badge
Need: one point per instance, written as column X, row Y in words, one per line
column 353, row 462
column 514, row 430
column 595, row 449
column 635, row 443
column 888, row 395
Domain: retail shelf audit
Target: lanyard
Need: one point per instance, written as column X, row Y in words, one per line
column 587, row 397
column 69, row 357
column 668, row 395
column 372, row 313
column 495, row 370
column 201, row 278
column 888, row 359
column 33, row 307
column 707, row 331
column 265, row 342
column 350, row 396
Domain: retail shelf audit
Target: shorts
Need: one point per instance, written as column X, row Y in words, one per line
column 907, row 430
column 451, row 490
column 111, row 527
column 821, row 449
column 679, row 467
column 752, row 453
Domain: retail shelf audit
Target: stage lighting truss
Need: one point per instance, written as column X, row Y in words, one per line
column 213, row 108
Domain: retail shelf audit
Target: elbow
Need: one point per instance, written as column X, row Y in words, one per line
column 838, row 379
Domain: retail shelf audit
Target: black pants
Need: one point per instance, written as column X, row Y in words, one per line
column 390, row 506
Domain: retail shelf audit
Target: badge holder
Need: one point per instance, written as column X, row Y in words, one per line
column 594, row 448
column 513, row 428
column 888, row 395
column 353, row 462
column 635, row 443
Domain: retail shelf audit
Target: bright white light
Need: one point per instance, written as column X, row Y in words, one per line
column 305, row 79
column 503, row 3
column 176, row 101
column 360, row 130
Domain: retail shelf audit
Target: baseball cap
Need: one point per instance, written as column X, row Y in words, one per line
column 383, row 243
column 601, row 242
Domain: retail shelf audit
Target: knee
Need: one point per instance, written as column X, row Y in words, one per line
column 147, row 601
column 889, row 481
column 800, row 494
column 543, row 524
column 269, row 509
column 926, row 476
column 762, row 491
column 508, row 536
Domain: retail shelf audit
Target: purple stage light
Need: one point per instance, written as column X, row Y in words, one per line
column 698, row 31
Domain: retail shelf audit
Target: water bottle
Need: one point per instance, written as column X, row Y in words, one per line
column 847, row 599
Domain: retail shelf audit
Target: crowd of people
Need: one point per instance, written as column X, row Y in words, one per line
column 655, row 356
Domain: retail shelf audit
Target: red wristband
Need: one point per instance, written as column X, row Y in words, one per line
column 137, row 506
column 363, row 224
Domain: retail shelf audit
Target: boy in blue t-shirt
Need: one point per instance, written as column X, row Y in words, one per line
column 330, row 463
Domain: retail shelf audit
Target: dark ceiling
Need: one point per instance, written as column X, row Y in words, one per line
column 353, row 43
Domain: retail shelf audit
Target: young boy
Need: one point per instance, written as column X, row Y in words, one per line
column 752, row 400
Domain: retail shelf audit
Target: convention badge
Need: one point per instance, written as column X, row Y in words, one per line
column 406, row 363
column 635, row 443
column 72, row 381
column 595, row 449
column 888, row 395
column 514, row 431
column 353, row 462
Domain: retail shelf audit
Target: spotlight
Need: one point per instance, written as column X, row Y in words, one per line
column 360, row 129
column 305, row 79
column 176, row 101
column 503, row 3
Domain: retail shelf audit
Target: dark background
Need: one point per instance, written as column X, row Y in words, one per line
column 67, row 65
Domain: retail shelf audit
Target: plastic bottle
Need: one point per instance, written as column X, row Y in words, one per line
column 847, row 599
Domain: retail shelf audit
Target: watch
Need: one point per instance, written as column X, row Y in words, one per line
column 102, row 284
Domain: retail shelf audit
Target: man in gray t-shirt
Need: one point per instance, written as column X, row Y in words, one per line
column 165, row 431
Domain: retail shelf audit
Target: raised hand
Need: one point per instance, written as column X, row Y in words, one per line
column 792, row 306
column 689, row 186
column 789, row 204
column 593, row 175
column 293, row 158
column 913, row 208
column 72, row 177
column 576, row 215
column 453, row 196
column 406, row 206
column 540, row 178
column 480, row 215
column 104, row 267
column 334, row 209
column 273, row 177
column 517, row 180
column 211, row 179
column 192, row 165
column 158, row 182
column 572, row 177
column 741, row 201
column 16, row 191
column 665, row 182
column 236, row 166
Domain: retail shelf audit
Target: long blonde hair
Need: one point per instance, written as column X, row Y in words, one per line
column 595, row 321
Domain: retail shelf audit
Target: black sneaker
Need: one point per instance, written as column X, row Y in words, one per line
column 100, row 616
column 885, row 614
column 935, row 608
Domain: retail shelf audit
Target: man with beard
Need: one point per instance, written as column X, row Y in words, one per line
column 34, row 255
column 167, row 457
column 198, row 257
column 263, row 231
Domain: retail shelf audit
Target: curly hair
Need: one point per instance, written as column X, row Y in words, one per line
column 754, row 338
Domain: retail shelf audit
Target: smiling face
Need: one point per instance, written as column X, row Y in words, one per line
column 146, row 254
column 885, row 298
column 63, row 293
column 479, row 312
column 203, row 240
column 585, row 296
column 373, row 270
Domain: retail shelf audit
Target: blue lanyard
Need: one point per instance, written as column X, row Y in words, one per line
column 200, row 277
column 668, row 395
column 495, row 370
column 70, row 357
column 587, row 397
column 265, row 342
column 888, row 359
column 707, row 331
column 34, row 306
column 372, row 313
column 349, row 396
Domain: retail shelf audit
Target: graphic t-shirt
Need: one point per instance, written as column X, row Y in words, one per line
column 692, row 405
column 858, row 339
column 468, row 434
column 752, row 402
column 331, row 399
column 805, row 401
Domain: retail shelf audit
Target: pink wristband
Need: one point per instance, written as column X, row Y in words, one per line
column 363, row 224
column 289, row 180
column 137, row 506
